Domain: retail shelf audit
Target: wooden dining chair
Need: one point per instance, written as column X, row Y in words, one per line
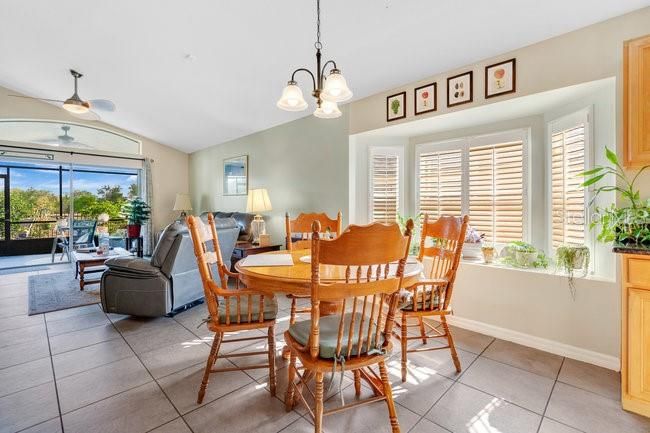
column 298, row 232
column 441, row 244
column 231, row 309
column 371, row 261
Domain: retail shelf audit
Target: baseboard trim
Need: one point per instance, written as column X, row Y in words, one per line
column 573, row 352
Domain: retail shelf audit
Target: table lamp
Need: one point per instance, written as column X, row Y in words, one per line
column 258, row 201
column 183, row 204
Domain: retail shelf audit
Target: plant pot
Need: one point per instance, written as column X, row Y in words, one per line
column 524, row 259
column 579, row 259
column 133, row 230
column 488, row 254
column 472, row 250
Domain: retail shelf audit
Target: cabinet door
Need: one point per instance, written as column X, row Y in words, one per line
column 636, row 104
column 638, row 343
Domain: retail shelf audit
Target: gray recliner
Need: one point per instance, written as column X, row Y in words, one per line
column 168, row 281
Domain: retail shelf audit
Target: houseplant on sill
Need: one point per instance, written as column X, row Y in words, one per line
column 626, row 225
column 136, row 212
column 521, row 254
column 570, row 259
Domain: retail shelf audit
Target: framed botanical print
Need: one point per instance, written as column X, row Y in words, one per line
column 396, row 106
column 426, row 98
column 501, row 78
column 460, row 89
column 235, row 175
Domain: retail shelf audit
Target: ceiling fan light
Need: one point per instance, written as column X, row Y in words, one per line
column 76, row 106
column 327, row 110
column 292, row 99
column 336, row 88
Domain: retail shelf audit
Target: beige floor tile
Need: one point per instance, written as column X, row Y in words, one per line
column 166, row 334
column 13, row 290
column 550, row 426
column 27, row 408
column 426, row 426
column 131, row 324
column 439, row 361
column 259, row 346
column 300, row 425
column 30, row 333
column 20, row 348
column 517, row 386
column 170, row 359
column 76, row 323
column 85, row 337
column 27, row 375
column 175, row 426
column 92, row 385
column 134, row 411
column 592, row 378
column 423, row 387
column 72, row 312
column 466, row 410
column 193, row 317
column 17, row 322
column 526, row 358
column 234, row 413
column 13, row 306
column 470, row 341
column 86, row 358
column 51, row 426
column 182, row 387
column 592, row 413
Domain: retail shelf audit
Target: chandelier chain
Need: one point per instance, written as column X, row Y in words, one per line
column 318, row 44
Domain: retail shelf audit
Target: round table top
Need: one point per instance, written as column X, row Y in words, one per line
column 296, row 279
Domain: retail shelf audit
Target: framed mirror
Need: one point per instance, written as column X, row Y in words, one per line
column 235, row 175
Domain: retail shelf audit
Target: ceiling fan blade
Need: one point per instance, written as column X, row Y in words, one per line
column 40, row 99
column 88, row 115
column 102, row 104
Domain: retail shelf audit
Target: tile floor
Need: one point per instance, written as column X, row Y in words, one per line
column 80, row 370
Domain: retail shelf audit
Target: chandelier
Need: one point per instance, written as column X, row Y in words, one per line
column 327, row 91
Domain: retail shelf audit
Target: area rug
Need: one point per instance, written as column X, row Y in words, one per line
column 59, row 291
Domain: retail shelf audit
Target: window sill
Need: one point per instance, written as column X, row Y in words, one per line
column 549, row 271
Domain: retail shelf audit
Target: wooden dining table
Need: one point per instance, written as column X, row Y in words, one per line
column 296, row 280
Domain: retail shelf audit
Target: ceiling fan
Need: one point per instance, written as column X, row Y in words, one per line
column 77, row 106
column 64, row 139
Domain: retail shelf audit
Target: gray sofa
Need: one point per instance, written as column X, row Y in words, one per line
column 166, row 283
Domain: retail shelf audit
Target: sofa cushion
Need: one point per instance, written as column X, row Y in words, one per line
column 329, row 329
column 165, row 243
column 270, row 308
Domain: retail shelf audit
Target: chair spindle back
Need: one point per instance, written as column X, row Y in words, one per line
column 299, row 230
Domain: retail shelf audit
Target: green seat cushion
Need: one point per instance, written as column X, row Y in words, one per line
column 406, row 300
column 270, row 308
column 329, row 329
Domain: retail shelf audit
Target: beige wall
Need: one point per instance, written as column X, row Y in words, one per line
column 303, row 165
column 169, row 169
column 588, row 54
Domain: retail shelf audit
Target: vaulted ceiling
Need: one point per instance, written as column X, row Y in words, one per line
column 199, row 73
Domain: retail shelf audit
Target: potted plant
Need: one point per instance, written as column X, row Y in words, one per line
column 629, row 224
column 570, row 259
column 136, row 212
column 523, row 255
column 488, row 253
column 473, row 244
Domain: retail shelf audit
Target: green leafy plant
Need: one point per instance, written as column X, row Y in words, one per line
column 136, row 211
column 521, row 254
column 630, row 224
column 414, row 249
column 572, row 258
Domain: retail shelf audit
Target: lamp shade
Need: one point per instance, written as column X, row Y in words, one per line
column 292, row 99
column 258, row 201
column 182, row 202
column 336, row 88
column 327, row 110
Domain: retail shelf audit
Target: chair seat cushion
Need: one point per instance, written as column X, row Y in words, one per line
column 406, row 300
column 270, row 308
column 329, row 328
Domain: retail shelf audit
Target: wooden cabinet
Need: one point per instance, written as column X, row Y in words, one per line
column 635, row 339
column 636, row 101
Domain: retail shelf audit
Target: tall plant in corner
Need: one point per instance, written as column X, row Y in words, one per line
column 136, row 212
column 629, row 224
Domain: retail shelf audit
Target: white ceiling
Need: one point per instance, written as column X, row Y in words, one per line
column 134, row 52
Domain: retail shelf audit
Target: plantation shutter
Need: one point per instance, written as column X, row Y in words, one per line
column 496, row 191
column 567, row 197
column 441, row 183
column 384, row 187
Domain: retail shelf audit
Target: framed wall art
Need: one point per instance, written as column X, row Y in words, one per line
column 235, row 175
column 425, row 98
column 396, row 106
column 460, row 89
column 501, row 78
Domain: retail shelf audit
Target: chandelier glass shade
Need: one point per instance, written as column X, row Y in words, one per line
column 328, row 91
